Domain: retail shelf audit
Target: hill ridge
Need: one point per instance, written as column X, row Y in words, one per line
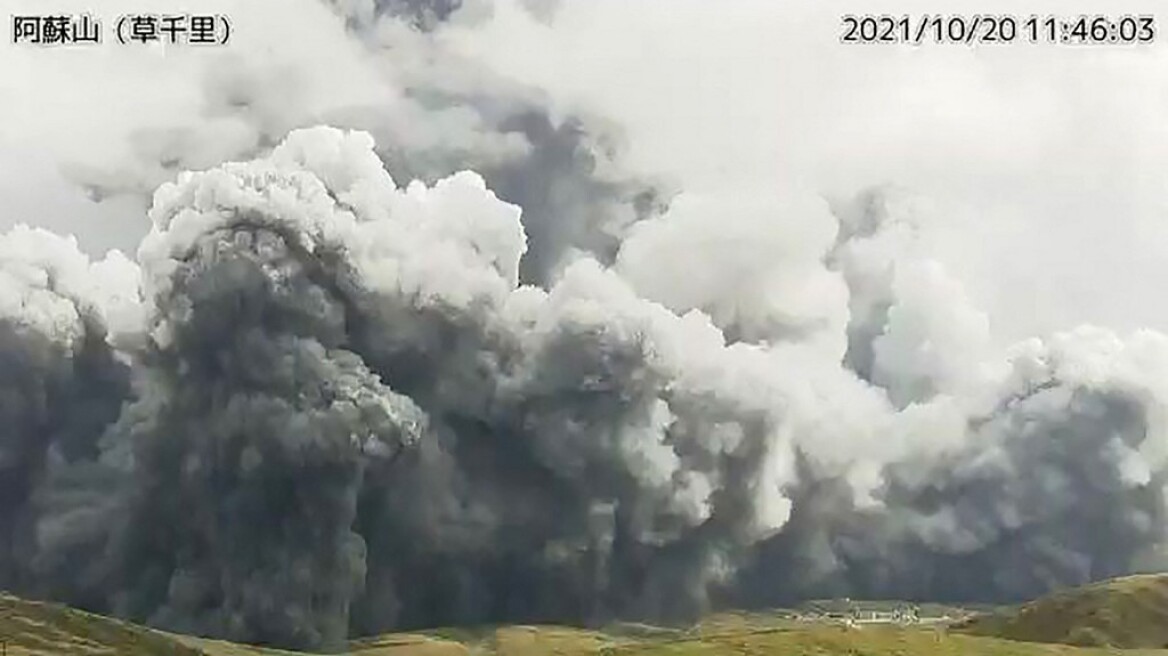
column 1129, row 612
column 1126, row 612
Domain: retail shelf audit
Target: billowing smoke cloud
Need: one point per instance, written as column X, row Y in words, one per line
column 457, row 363
column 1041, row 469
column 347, row 405
column 349, row 415
column 61, row 384
column 433, row 113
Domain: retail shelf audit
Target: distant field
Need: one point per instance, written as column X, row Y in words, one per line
column 1132, row 611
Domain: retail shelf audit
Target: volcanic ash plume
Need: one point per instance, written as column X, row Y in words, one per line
column 60, row 381
column 327, row 405
column 1002, row 477
column 347, row 411
column 432, row 111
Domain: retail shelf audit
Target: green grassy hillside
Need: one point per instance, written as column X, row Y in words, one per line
column 32, row 628
column 29, row 627
column 1127, row 612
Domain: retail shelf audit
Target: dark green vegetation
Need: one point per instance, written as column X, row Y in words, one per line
column 1124, row 613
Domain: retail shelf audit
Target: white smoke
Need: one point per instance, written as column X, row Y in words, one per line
column 48, row 286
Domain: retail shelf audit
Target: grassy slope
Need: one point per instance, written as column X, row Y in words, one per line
column 37, row 628
column 43, row 629
column 1127, row 612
